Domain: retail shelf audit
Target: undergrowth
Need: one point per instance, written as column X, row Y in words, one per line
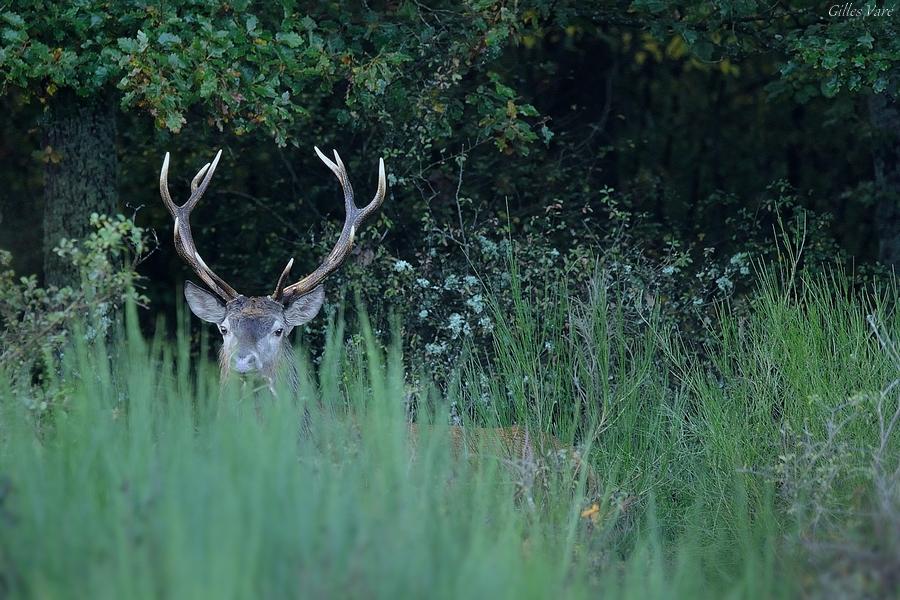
column 760, row 463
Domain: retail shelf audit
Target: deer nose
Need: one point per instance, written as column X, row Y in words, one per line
column 245, row 363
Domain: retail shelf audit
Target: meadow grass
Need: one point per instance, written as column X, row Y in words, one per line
column 723, row 469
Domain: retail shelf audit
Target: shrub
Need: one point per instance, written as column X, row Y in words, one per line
column 35, row 321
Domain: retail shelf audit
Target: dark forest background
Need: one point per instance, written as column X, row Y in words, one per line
column 684, row 138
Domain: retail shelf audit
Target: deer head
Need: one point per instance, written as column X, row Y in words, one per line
column 255, row 329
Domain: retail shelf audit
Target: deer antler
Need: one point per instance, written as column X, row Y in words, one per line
column 352, row 221
column 184, row 241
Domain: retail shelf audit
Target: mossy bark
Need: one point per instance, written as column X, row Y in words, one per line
column 884, row 112
column 79, row 140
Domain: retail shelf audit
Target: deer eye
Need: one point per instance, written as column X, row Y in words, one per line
column 223, row 330
column 278, row 332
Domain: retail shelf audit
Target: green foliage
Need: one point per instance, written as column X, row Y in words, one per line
column 453, row 293
column 443, row 296
column 346, row 513
column 823, row 49
column 855, row 52
column 722, row 474
column 642, row 134
column 267, row 67
column 36, row 322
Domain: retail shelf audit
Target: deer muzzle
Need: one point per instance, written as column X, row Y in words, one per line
column 247, row 363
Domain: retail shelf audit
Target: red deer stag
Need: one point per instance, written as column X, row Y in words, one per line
column 255, row 328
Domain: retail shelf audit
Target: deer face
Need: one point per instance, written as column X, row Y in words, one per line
column 254, row 330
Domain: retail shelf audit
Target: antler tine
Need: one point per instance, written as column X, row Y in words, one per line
column 164, row 188
column 352, row 220
column 197, row 193
column 341, row 171
column 279, row 287
column 364, row 212
column 184, row 240
column 196, row 180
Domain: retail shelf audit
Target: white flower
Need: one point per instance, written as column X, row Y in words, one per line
column 422, row 282
column 476, row 303
column 401, row 266
column 456, row 323
column 488, row 247
column 470, row 280
column 436, row 348
column 668, row 270
column 423, row 314
column 724, row 284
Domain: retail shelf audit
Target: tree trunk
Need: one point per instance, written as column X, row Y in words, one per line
column 884, row 112
column 79, row 141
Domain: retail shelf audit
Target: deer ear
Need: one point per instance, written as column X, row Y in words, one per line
column 304, row 308
column 203, row 304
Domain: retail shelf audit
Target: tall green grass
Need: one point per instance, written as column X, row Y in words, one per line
column 150, row 481
column 145, row 478
column 740, row 442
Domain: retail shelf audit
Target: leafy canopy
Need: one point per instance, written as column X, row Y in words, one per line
column 249, row 66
